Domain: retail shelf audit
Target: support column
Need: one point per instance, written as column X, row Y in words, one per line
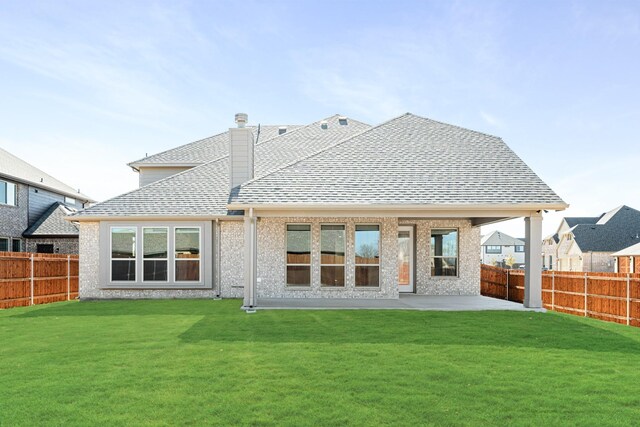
column 249, row 260
column 533, row 262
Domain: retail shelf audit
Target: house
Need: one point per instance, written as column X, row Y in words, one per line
column 500, row 248
column 628, row 259
column 588, row 243
column 333, row 209
column 550, row 243
column 33, row 205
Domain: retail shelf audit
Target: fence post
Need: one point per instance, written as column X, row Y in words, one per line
column 68, row 277
column 628, row 299
column 553, row 290
column 507, row 285
column 585, row 294
column 31, row 260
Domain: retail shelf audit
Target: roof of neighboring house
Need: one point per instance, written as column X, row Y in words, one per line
column 52, row 223
column 616, row 230
column 204, row 190
column 409, row 160
column 555, row 237
column 633, row 250
column 575, row 220
column 17, row 169
column 498, row 238
column 207, row 149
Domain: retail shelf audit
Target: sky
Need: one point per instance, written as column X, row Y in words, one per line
column 86, row 87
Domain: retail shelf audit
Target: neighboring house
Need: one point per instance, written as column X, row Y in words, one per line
column 333, row 209
column 628, row 259
column 33, row 205
column 588, row 243
column 550, row 243
column 499, row 248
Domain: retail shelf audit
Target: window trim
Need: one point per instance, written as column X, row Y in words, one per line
column 173, row 255
column 6, row 192
column 487, row 251
column 142, row 228
column 457, row 257
column 286, row 257
column 355, row 265
column 343, row 265
column 135, row 255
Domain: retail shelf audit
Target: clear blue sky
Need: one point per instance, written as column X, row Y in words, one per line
column 88, row 86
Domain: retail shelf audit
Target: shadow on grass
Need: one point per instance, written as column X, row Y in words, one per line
column 223, row 321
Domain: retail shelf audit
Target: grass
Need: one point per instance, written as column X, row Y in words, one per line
column 206, row 362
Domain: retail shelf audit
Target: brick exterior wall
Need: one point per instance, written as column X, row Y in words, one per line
column 68, row 245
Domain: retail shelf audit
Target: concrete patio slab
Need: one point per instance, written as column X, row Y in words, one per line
column 405, row 302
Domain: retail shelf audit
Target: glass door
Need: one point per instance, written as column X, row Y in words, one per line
column 405, row 259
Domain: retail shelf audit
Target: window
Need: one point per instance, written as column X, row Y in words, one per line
column 332, row 248
column 7, row 193
column 298, row 255
column 493, row 249
column 69, row 200
column 4, row 244
column 123, row 254
column 44, row 248
column 16, row 245
column 550, row 262
column 155, row 244
column 187, row 256
column 367, row 242
column 519, row 248
column 444, row 252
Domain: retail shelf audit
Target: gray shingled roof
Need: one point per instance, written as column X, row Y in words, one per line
column 52, row 223
column 616, row 230
column 206, row 150
column 576, row 220
column 630, row 251
column 204, row 190
column 409, row 160
column 498, row 238
column 12, row 167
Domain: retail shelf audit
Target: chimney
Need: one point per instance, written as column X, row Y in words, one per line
column 241, row 146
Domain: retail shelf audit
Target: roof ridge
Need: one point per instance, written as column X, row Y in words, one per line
column 455, row 126
column 342, row 141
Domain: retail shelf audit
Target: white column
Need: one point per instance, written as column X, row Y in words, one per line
column 533, row 262
column 249, row 260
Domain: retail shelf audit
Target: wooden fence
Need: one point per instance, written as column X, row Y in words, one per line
column 28, row 279
column 614, row 297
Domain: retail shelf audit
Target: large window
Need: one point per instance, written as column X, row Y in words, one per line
column 155, row 248
column 16, row 245
column 299, row 255
column 187, row 255
column 7, row 193
column 367, row 242
column 332, row 249
column 4, row 244
column 123, row 254
column 519, row 248
column 444, row 252
column 493, row 249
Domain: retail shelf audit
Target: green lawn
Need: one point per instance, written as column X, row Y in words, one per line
column 207, row 362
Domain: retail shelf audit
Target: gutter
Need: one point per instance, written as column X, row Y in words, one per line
column 97, row 218
column 402, row 207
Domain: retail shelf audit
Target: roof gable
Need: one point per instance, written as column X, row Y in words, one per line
column 498, row 238
column 616, row 230
column 53, row 223
column 408, row 160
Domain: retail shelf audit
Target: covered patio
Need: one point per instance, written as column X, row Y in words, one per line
column 405, row 302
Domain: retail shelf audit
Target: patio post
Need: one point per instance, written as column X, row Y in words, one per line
column 533, row 261
column 249, row 302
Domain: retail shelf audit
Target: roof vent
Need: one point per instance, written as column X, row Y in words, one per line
column 324, row 124
column 342, row 120
column 242, row 119
column 281, row 130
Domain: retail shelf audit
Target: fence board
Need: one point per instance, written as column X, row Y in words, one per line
column 54, row 276
column 564, row 291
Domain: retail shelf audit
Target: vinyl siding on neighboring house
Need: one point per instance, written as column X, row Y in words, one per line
column 40, row 200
